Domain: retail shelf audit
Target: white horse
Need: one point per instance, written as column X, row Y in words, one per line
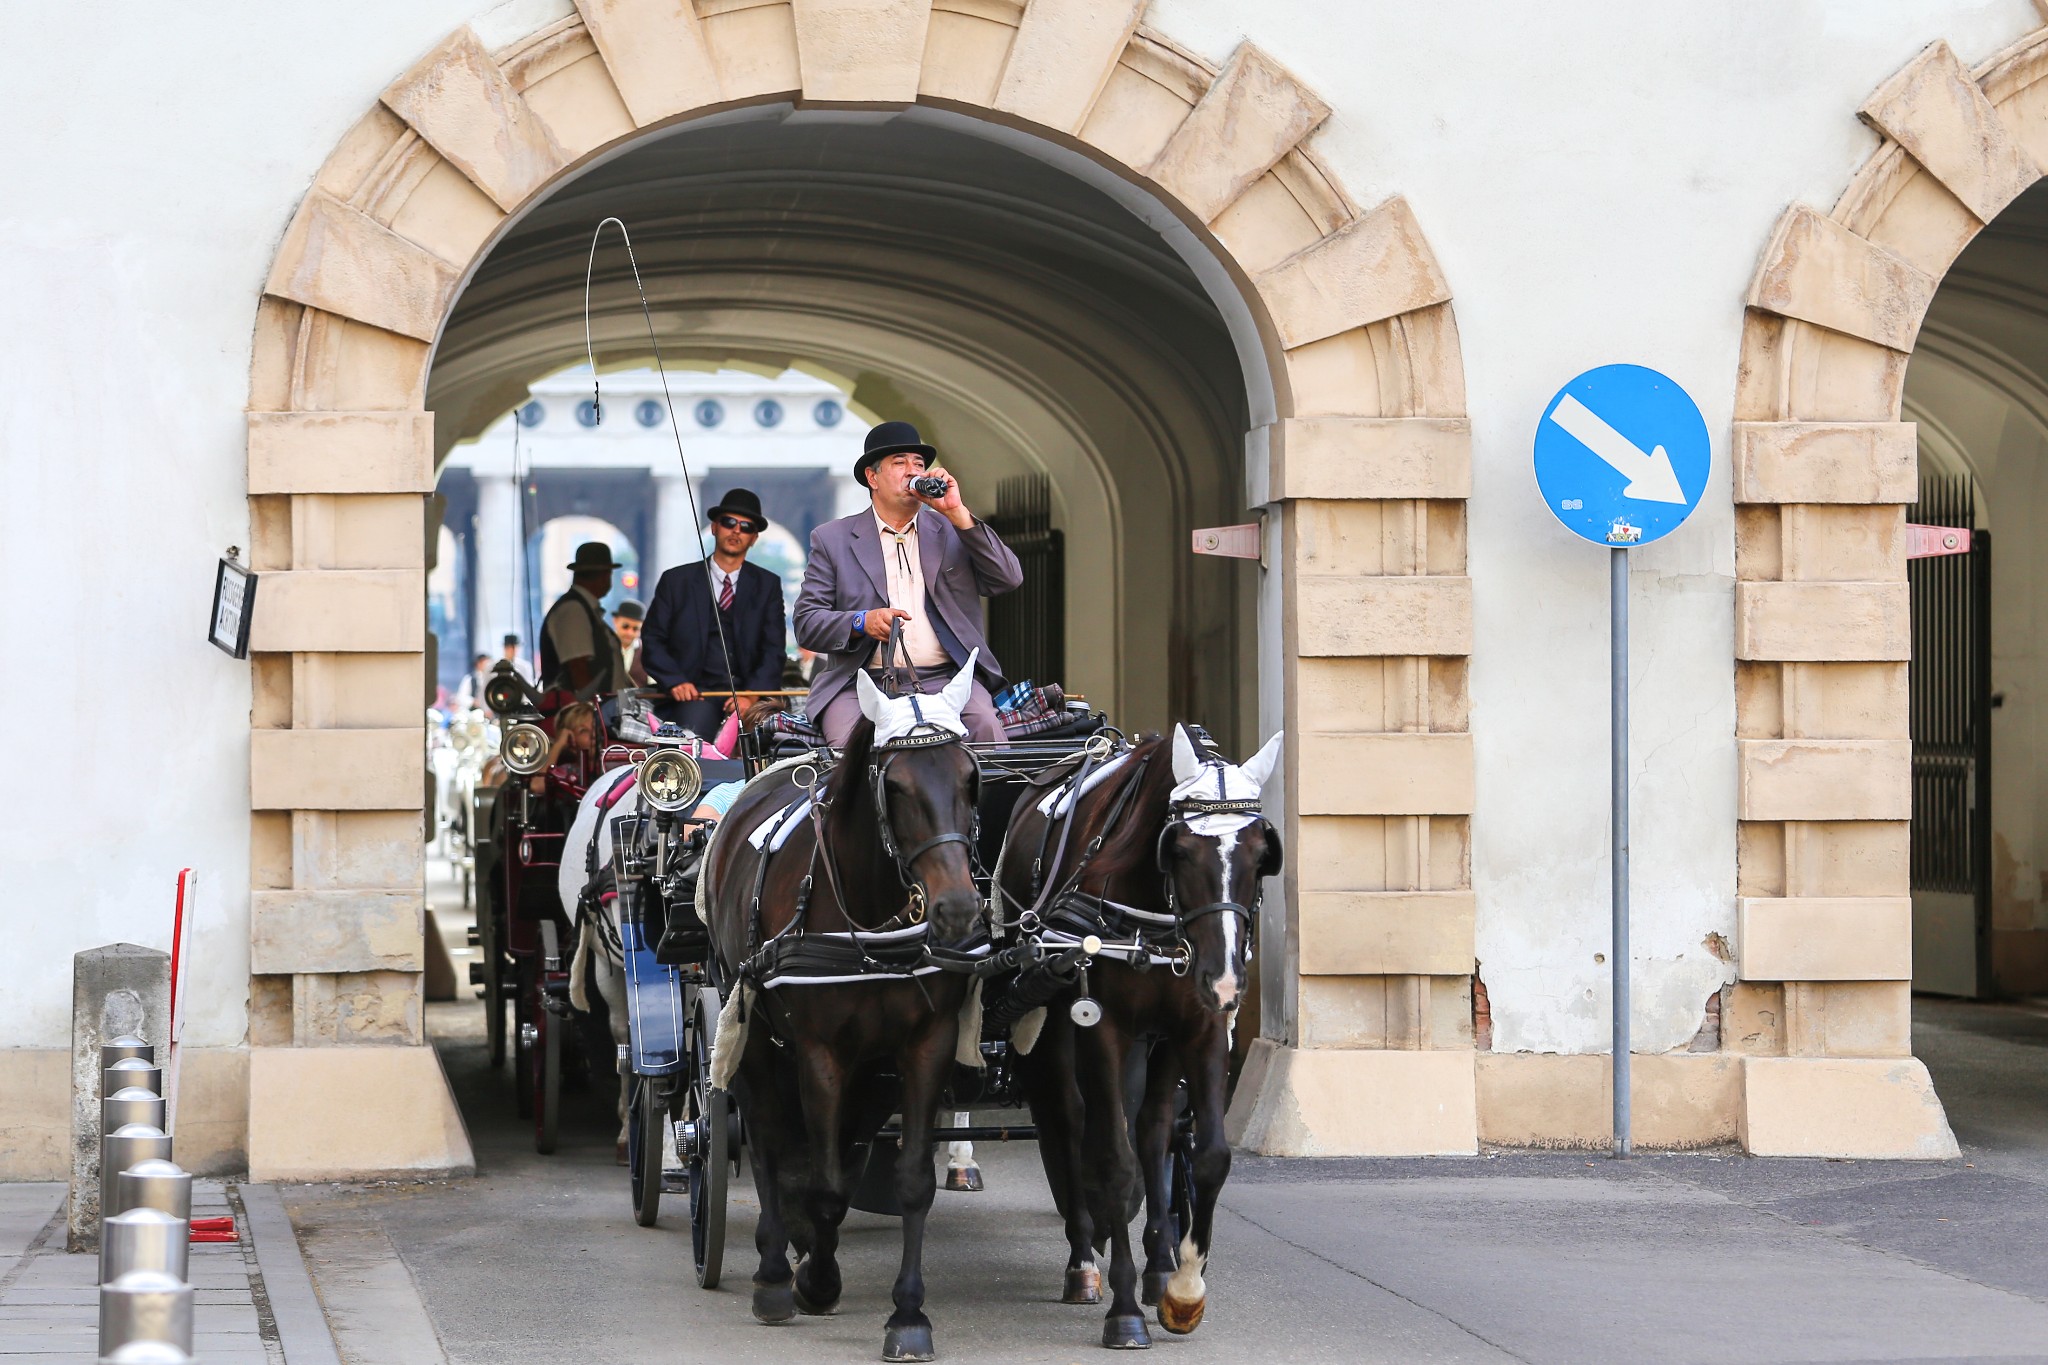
column 599, row 956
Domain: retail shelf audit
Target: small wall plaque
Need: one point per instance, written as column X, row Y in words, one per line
column 234, row 600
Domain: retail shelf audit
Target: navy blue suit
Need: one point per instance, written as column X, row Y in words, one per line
column 679, row 645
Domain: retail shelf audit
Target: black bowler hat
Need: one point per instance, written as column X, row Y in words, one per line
column 741, row 502
column 631, row 610
column 594, row 556
column 889, row 438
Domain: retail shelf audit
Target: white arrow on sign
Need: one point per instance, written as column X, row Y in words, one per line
column 1650, row 477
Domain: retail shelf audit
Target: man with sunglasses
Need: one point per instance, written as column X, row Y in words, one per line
column 680, row 645
column 914, row 557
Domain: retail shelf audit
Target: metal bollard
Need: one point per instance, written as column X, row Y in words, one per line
column 127, row 1045
column 147, row 1353
column 120, row 1149
column 155, row 1184
column 145, row 1239
column 132, row 1071
column 145, row 1305
column 132, row 1105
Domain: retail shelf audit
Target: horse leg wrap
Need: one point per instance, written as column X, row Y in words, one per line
column 1084, row 1284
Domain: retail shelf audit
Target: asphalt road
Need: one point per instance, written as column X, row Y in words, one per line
column 1708, row 1258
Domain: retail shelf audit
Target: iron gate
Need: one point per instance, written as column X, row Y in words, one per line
column 1950, row 694
column 1028, row 628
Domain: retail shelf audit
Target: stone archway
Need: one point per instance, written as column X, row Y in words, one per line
column 1823, row 469
column 1359, row 452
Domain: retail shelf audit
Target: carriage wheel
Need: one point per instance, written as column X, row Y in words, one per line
column 546, row 1057
column 646, row 1114
column 710, row 1156
column 494, row 1006
column 525, row 1037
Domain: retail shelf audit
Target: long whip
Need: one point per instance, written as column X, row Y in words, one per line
column 667, row 402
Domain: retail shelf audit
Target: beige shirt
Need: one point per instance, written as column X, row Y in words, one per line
column 905, row 565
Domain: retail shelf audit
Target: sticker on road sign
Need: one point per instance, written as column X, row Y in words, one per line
column 1622, row 455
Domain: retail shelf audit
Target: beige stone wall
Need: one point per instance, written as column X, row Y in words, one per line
column 1370, row 467
column 1822, row 469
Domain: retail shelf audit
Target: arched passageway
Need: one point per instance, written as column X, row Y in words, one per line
column 1024, row 320
column 923, row 201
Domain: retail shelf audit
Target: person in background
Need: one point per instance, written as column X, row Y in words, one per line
column 572, row 757
column 693, row 603
column 520, row 664
column 469, row 693
column 925, row 561
column 626, row 620
column 578, row 651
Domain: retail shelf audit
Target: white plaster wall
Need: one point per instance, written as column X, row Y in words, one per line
column 1596, row 176
column 155, row 155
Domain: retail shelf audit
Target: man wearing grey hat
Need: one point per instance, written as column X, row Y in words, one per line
column 578, row 650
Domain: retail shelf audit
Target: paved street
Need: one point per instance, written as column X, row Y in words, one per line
column 1550, row 1258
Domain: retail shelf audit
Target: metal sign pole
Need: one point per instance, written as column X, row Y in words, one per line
column 1618, row 962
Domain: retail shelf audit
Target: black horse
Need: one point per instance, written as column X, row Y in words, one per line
column 825, row 927
column 1162, row 859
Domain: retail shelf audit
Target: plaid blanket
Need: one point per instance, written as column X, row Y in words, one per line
column 1022, row 709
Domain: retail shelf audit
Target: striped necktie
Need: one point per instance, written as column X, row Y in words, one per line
column 725, row 593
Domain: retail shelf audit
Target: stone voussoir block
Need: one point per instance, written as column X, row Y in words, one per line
column 341, row 452
column 341, row 260
column 1825, row 779
column 465, row 107
column 861, row 51
column 1254, row 113
column 1063, row 55
column 1823, row 622
column 1377, row 267
column 355, row 930
column 1825, row 938
column 656, row 54
column 1376, row 933
column 1818, row 271
column 1359, row 615
column 1942, row 118
column 1826, row 462
column 1372, row 457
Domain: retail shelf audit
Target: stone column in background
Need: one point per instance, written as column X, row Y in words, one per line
column 678, row 531
column 500, row 566
column 115, row 990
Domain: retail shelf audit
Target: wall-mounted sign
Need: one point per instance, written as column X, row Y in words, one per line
column 1232, row 542
column 234, row 600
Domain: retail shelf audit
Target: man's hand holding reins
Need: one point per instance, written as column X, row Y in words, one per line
column 878, row 623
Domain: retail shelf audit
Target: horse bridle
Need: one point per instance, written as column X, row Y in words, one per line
column 1181, row 814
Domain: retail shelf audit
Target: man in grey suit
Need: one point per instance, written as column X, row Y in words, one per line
column 922, row 560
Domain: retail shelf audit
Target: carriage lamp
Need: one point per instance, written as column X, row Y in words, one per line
column 525, row 750
column 670, row 780
column 503, row 694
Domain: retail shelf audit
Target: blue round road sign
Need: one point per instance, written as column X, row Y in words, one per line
column 1622, row 455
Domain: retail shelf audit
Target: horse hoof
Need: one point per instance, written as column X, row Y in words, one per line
column 809, row 1308
column 619, row 1153
column 1181, row 1316
column 1126, row 1333
column 1084, row 1284
column 774, row 1302
column 913, row 1342
column 965, row 1179
column 1155, row 1285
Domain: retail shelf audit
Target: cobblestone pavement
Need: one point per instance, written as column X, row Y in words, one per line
column 251, row 1298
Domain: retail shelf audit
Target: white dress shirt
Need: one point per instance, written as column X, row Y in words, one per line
column 905, row 566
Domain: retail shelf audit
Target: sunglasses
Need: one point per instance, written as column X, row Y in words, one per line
column 736, row 524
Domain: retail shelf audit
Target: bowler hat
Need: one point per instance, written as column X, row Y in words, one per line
column 741, row 502
column 631, row 610
column 594, row 556
column 888, row 438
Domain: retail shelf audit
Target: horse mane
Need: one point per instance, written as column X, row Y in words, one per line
column 1135, row 841
column 848, row 778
